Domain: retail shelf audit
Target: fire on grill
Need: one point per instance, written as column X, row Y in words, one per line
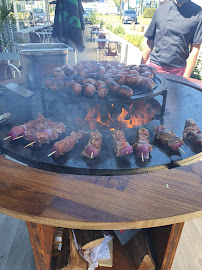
column 116, row 116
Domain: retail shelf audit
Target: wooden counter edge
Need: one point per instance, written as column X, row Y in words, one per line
column 85, row 225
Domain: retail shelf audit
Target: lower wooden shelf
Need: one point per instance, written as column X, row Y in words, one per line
column 149, row 249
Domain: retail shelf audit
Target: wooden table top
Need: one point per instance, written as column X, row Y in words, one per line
column 101, row 202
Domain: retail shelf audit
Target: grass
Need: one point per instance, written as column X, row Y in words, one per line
column 116, row 19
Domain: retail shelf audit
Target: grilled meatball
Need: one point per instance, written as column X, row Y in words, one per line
column 89, row 89
column 133, row 80
column 102, row 91
column 78, row 79
column 99, row 82
column 125, row 91
column 120, row 79
column 58, row 71
column 68, row 81
column 113, row 86
column 147, row 75
column 57, row 85
column 83, row 73
column 76, row 88
column 89, row 80
column 48, row 82
column 148, row 83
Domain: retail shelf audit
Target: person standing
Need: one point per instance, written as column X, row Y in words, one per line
column 174, row 37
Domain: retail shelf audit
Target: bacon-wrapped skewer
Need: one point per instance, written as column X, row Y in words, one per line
column 168, row 137
column 92, row 149
column 192, row 132
column 141, row 145
column 67, row 144
column 121, row 146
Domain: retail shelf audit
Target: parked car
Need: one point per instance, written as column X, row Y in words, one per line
column 86, row 15
column 129, row 16
column 39, row 15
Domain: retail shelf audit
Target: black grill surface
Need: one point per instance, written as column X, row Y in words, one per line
column 183, row 102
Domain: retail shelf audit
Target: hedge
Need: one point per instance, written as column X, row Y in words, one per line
column 148, row 12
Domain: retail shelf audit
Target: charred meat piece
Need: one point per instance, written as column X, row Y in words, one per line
column 48, row 82
column 57, row 85
column 89, row 80
column 76, row 88
column 99, row 82
column 192, row 132
column 113, row 86
column 102, row 91
column 125, row 91
column 168, row 137
column 92, row 149
column 147, row 83
column 120, row 79
column 68, row 143
column 68, row 81
column 121, row 146
column 141, row 144
column 88, row 89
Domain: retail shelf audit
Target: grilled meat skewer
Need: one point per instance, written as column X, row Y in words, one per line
column 192, row 132
column 141, row 145
column 121, row 146
column 92, row 149
column 168, row 137
column 67, row 144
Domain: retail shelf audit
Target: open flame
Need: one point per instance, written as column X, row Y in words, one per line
column 133, row 117
column 139, row 118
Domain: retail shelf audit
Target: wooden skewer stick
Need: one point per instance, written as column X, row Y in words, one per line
column 51, row 153
column 181, row 150
column 7, row 138
column 91, row 156
column 29, row 144
column 18, row 137
column 142, row 157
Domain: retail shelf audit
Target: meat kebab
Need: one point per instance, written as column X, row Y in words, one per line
column 39, row 131
column 93, row 147
column 168, row 137
column 192, row 132
column 141, row 145
column 121, row 146
column 67, row 144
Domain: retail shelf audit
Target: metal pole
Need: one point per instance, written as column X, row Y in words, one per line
column 120, row 9
column 16, row 16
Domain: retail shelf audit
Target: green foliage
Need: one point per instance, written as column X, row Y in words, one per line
column 101, row 22
column 148, row 12
column 5, row 14
column 93, row 18
column 110, row 27
column 117, row 3
column 196, row 73
column 119, row 30
column 136, row 40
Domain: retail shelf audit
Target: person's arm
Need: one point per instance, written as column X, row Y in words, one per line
column 147, row 50
column 191, row 61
